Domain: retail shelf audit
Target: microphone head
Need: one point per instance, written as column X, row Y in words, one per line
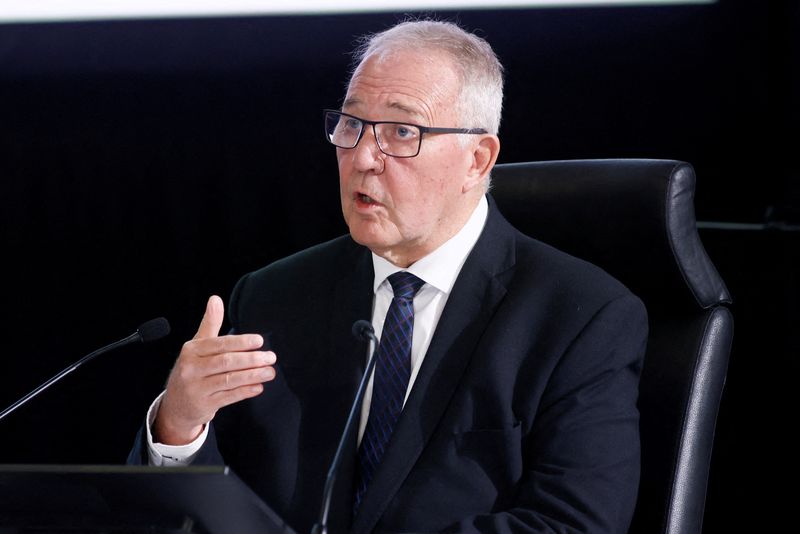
column 153, row 329
column 363, row 330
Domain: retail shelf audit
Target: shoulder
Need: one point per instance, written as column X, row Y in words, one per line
column 532, row 265
column 319, row 260
column 564, row 272
column 551, row 289
column 305, row 274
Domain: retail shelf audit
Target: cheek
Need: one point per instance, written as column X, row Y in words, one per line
column 344, row 176
column 342, row 166
column 418, row 209
column 344, row 160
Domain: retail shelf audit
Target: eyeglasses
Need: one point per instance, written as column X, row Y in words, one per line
column 396, row 139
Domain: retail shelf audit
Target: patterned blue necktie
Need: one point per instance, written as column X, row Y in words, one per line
column 392, row 372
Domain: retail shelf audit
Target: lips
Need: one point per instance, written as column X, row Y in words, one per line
column 365, row 201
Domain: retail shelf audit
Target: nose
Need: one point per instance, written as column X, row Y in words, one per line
column 367, row 157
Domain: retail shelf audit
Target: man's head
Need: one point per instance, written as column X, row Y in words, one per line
column 480, row 73
column 431, row 74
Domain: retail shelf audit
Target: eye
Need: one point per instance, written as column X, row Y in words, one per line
column 352, row 124
column 404, row 132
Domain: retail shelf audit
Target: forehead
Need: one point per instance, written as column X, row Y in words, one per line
column 409, row 85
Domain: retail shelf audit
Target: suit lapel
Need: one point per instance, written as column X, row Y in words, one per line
column 469, row 308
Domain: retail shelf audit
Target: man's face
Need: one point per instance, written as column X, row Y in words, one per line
column 404, row 208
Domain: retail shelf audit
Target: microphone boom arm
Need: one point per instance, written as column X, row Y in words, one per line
column 151, row 330
column 322, row 526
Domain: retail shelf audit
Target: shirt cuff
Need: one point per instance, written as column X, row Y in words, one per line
column 170, row 455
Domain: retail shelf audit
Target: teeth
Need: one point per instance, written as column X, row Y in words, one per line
column 365, row 199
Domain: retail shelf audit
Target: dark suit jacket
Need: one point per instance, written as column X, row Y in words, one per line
column 523, row 415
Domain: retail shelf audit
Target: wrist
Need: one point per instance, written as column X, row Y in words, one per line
column 168, row 434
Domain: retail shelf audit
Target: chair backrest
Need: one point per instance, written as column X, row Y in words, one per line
column 635, row 219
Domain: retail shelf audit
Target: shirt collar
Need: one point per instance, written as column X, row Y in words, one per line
column 440, row 268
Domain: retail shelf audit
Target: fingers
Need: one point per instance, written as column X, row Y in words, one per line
column 226, row 382
column 224, row 373
column 212, row 346
column 212, row 319
column 237, row 361
column 199, row 368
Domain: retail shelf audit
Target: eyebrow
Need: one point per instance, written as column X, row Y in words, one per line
column 406, row 109
column 350, row 102
column 416, row 115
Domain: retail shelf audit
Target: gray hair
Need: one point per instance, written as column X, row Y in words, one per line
column 480, row 101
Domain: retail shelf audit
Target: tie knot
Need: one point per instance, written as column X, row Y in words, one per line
column 405, row 284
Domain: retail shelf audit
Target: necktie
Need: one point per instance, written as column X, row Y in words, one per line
column 392, row 372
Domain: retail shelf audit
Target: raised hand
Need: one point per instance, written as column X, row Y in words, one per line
column 211, row 371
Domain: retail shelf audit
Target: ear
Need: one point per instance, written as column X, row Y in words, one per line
column 483, row 157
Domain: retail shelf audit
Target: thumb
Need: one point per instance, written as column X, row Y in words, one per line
column 212, row 319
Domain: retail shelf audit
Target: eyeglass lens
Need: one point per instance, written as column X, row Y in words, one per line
column 394, row 138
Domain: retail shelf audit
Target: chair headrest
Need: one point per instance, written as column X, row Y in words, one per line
column 632, row 217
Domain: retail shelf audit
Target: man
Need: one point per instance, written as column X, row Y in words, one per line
column 516, row 365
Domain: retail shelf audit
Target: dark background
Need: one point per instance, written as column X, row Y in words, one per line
column 147, row 164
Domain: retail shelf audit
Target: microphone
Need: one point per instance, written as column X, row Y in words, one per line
column 363, row 331
column 150, row 331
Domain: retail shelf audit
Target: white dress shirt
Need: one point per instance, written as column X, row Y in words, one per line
column 439, row 270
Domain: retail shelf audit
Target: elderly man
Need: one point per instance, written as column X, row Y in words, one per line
column 504, row 395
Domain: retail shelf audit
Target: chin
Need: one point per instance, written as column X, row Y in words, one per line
column 364, row 237
column 367, row 240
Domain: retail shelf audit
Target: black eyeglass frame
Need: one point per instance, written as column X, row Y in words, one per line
column 422, row 131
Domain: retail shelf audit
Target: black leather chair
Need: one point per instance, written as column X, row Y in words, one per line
column 635, row 218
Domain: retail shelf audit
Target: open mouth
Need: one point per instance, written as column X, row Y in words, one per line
column 365, row 199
